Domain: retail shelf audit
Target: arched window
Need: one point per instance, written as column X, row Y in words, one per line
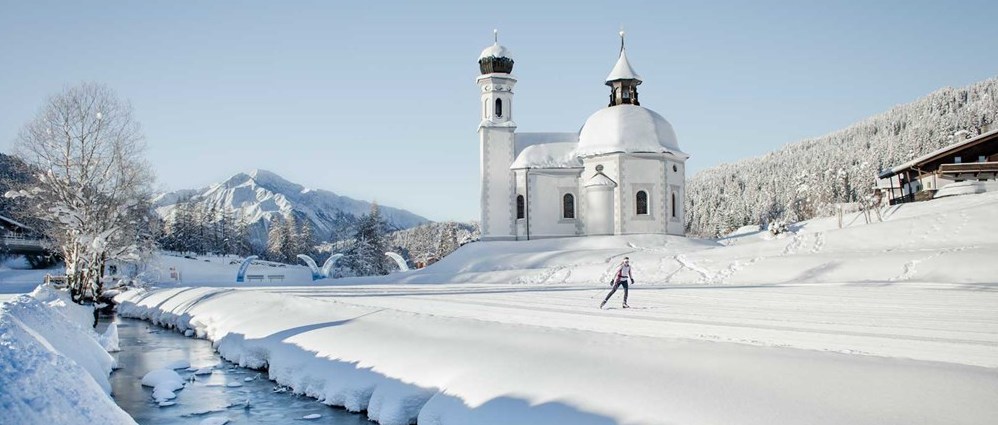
column 673, row 205
column 641, row 202
column 499, row 108
column 568, row 206
column 519, row 206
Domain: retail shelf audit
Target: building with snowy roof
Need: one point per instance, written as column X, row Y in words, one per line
column 970, row 165
column 622, row 173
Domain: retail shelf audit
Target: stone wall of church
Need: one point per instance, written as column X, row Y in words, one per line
column 642, row 174
column 497, row 200
column 675, row 204
column 545, row 211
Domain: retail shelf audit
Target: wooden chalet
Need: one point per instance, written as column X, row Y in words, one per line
column 971, row 160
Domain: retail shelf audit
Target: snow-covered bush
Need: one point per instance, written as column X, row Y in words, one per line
column 778, row 227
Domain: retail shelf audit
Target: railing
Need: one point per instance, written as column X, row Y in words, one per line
column 969, row 167
column 15, row 242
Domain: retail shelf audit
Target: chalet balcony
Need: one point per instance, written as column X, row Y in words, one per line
column 975, row 168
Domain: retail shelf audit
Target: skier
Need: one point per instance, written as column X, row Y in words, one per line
column 622, row 277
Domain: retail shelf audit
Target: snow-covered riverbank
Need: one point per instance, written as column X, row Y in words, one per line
column 546, row 355
column 53, row 369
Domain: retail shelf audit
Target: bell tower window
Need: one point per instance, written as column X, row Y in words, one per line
column 499, row 108
column 519, row 206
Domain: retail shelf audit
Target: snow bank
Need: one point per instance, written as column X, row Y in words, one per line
column 52, row 370
column 164, row 383
column 440, row 370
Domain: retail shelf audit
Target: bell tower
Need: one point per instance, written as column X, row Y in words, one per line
column 623, row 81
column 496, row 135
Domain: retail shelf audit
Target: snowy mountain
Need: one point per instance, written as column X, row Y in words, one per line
column 803, row 179
column 259, row 195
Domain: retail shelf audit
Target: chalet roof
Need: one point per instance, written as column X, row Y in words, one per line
column 939, row 153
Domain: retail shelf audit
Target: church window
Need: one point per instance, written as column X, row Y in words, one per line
column 626, row 94
column 519, row 206
column 673, row 205
column 641, row 202
column 499, row 108
column 568, row 206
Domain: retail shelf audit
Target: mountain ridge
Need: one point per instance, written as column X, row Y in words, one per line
column 259, row 195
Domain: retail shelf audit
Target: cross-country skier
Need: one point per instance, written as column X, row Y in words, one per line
column 623, row 276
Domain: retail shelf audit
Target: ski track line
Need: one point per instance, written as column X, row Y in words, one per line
column 829, row 315
column 887, row 336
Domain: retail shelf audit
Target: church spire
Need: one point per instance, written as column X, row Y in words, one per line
column 623, row 80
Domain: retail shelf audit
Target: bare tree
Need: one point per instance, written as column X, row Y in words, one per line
column 94, row 183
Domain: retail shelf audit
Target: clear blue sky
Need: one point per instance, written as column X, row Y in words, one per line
column 377, row 100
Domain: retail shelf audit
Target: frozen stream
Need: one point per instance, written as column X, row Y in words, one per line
column 206, row 398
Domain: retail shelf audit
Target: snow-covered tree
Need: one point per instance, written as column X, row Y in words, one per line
column 277, row 239
column 93, row 181
column 367, row 255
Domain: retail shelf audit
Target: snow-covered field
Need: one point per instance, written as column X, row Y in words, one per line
column 893, row 322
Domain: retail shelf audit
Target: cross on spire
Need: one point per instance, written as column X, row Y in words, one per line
column 621, row 38
column 495, row 34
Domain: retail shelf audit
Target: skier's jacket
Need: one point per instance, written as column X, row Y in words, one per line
column 619, row 275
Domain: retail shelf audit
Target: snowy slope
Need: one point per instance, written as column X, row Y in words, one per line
column 838, row 167
column 882, row 323
column 52, row 370
column 261, row 194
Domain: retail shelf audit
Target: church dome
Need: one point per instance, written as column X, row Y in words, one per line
column 495, row 59
column 627, row 129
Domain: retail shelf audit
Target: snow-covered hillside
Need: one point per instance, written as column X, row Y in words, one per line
column 260, row 195
column 806, row 176
column 882, row 323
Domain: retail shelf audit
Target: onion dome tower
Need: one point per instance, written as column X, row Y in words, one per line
column 623, row 81
column 495, row 59
column 496, row 141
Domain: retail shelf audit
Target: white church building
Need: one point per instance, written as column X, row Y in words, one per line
column 622, row 173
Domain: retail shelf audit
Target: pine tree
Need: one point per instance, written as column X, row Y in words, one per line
column 367, row 256
column 277, row 239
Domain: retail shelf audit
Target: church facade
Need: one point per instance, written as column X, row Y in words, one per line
column 622, row 173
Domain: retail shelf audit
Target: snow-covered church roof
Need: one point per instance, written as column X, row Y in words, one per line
column 623, row 70
column 496, row 50
column 627, row 129
column 546, row 150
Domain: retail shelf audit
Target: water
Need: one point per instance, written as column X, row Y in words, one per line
column 146, row 347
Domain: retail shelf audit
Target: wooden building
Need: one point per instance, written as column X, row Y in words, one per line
column 967, row 166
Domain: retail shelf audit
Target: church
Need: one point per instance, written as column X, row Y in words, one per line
column 622, row 173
